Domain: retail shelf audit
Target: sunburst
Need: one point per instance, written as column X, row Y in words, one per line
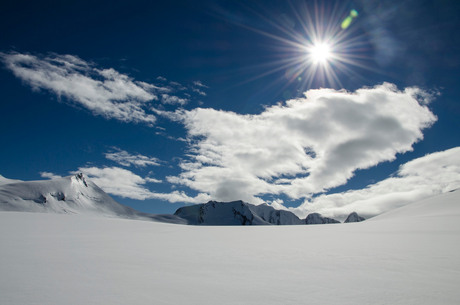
column 325, row 47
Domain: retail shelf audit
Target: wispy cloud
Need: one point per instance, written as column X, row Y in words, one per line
column 124, row 183
column 198, row 83
column 153, row 180
column 199, row 91
column 49, row 175
column 303, row 147
column 198, row 87
column 124, row 158
column 418, row 179
column 173, row 100
column 104, row 92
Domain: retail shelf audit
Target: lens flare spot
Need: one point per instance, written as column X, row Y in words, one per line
column 348, row 20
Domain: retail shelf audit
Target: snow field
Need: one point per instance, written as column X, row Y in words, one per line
column 78, row 259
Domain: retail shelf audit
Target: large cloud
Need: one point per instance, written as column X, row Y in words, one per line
column 302, row 147
column 420, row 178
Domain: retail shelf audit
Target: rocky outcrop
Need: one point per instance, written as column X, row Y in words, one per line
column 354, row 217
column 317, row 219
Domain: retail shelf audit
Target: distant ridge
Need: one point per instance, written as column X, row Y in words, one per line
column 243, row 213
column 77, row 194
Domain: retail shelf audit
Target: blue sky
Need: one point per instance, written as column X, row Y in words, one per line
column 166, row 104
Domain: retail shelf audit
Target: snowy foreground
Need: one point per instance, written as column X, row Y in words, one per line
column 407, row 256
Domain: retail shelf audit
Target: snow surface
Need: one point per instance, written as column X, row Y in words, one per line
column 4, row 180
column 408, row 256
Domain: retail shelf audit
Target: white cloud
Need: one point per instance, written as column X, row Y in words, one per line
column 199, row 91
column 418, row 179
column 105, row 92
column 302, row 147
column 153, row 180
column 173, row 100
column 49, row 175
column 124, row 183
column 199, row 84
column 124, row 158
column 199, row 87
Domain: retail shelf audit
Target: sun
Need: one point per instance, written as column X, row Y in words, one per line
column 320, row 53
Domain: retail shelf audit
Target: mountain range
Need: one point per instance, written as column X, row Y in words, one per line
column 77, row 194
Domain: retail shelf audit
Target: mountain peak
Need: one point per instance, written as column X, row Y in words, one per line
column 79, row 177
column 316, row 218
column 354, row 217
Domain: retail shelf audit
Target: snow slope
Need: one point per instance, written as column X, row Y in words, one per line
column 408, row 256
column 4, row 180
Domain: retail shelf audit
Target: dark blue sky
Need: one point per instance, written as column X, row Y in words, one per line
column 237, row 50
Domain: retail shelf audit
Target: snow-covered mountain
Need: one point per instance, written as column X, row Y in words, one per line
column 235, row 213
column 243, row 213
column 354, row 217
column 318, row 219
column 73, row 194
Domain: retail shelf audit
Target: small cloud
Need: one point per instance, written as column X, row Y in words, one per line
column 173, row 100
column 153, row 180
column 124, row 158
column 199, row 84
column 161, row 78
column 199, row 91
column 177, row 86
column 49, row 175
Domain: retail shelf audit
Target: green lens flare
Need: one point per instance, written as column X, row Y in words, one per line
column 346, row 22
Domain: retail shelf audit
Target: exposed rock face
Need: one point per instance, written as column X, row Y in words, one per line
column 317, row 219
column 354, row 217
